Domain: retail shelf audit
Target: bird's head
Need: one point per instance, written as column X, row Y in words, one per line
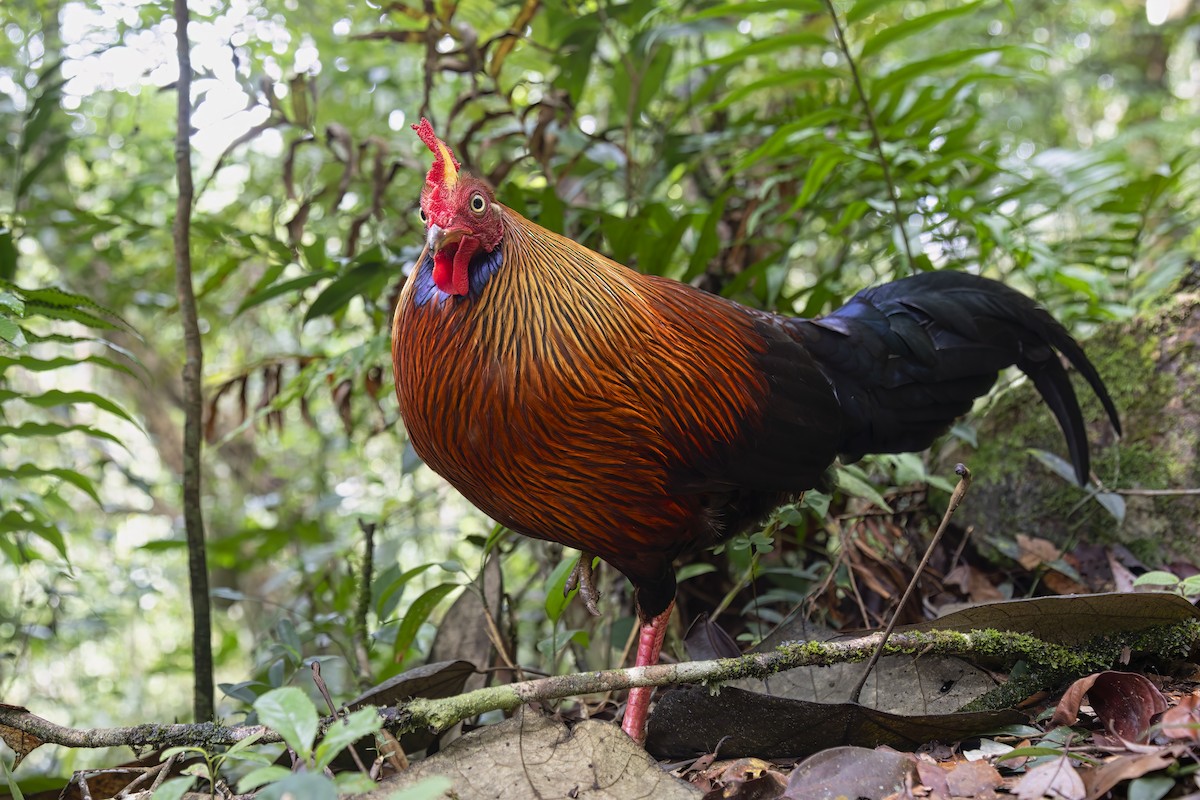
column 460, row 215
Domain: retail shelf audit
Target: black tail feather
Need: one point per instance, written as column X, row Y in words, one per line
column 909, row 357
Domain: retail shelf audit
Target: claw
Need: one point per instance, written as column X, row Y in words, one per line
column 583, row 577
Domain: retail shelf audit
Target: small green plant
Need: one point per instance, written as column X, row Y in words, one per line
column 291, row 714
column 1169, row 582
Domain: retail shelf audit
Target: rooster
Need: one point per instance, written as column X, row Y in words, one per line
column 635, row 418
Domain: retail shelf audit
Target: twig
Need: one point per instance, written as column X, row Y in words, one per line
column 960, row 491
column 1153, row 492
column 158, row 772
column 324, row 690
column 203, row 701
column 962, row 546
column 876, row 142
column 165, row 772
column 258, row 130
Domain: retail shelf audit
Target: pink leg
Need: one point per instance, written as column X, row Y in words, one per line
column 637, row 707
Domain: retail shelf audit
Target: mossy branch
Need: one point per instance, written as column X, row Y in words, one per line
column 1048, row 664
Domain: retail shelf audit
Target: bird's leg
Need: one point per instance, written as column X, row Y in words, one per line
column 650, row 642
column 584, row 577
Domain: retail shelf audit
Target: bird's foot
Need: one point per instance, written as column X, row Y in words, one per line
column 584, row 577
column 637, row 707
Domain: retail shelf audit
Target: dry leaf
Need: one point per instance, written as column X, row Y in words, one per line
column 20, row 742
column 1057, row 779
column 933, row 778
column 1124, row 701
column 748, row 779
column 974, row 584
column 1059, row 583
column 1033, row 552
column 851, row 772
column 1101, row 780
column 1183, row 721
column 977, row 779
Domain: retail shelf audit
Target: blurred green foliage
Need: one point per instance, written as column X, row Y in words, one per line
column 745, row 147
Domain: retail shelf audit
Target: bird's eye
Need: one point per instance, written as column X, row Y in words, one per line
column 421, row 214
column 478, row 203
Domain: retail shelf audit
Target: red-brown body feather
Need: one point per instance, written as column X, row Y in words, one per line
column 578, row 401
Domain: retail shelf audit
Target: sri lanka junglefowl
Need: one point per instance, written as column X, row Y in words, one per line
column 635, row 418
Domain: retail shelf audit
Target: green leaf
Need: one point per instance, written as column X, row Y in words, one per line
column 432, row 788
column 1151, row 787
column 282, row 288
column 366, row 279
column 741, row 10
column 853, row 481
column 16, row 522
column 903, row 30
column 817, row 501
column 58, row 362
column 709, row 242
column 48, row 301
column 556, row 598
column 770, row 44
column 418, row 612
column 905, row 73
column 573, row 56
column 237, row 747
column 1156, row 577
column 11, row 304
column 863, row 9
column 692, row 570
column 307, row 785
column 261, row 777
column 8, row 254
column 79, row 481
column 11, row 332
column 1033, row 751
column 53, row 155
column 290, row 713
column 30, row 429
column 1112, row 502
column 13, row 787
column 795, row 78
column 557, row 640
column 173, row 789
column 388, row 593
column 1056, row 464
column 345, row 732
column 352, row 783
column 786, row 138
column 814, row 177
column 57, row 397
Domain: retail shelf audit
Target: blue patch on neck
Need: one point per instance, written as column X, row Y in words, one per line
column 483, row 267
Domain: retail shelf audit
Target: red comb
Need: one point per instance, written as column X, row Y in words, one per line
column 441, row 151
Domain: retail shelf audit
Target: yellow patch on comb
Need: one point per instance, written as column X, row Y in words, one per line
column 450, row 173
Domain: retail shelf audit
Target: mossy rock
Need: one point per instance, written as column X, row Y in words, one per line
column 1151, row 365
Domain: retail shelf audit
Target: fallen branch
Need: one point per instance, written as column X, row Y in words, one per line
column 1051, row 663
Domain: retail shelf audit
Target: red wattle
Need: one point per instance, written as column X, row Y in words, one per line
column 451, row 266
column 462, row 261
column 441, row 271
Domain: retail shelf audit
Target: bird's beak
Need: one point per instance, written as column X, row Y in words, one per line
column 438, row 237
